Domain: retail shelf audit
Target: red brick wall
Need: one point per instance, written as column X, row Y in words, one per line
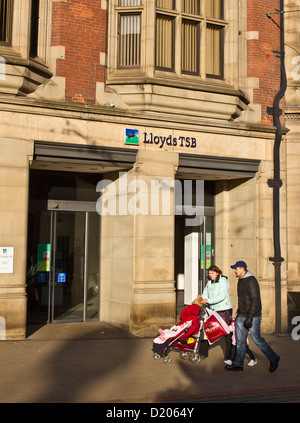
column 80, row 26
column 262, row 62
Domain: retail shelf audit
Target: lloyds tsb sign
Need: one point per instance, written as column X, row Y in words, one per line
column 180, row 141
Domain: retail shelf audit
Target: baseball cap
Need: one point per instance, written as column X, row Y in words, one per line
column 239, row 264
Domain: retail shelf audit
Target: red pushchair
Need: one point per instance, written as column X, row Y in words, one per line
column 183, row 337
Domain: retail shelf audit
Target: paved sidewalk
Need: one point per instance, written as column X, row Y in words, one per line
column 96, row 363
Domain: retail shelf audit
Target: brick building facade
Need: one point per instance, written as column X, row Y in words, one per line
column 105, row 99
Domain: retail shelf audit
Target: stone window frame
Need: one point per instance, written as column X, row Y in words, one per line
column 24, row 72
column 147, row 70
column 201, row 22
column 6, row 20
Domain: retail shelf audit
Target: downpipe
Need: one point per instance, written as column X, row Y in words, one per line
column 276, row 182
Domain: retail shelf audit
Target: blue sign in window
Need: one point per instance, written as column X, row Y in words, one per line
column 61, row 277
column 42, row 277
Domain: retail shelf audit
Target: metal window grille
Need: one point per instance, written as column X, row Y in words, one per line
column 165, row 4
column 34, row 30
column 6, row 7
column 129, row 3
column 190, row 47
column 194, row 21
column 214, row 51
column 129, row 40
column 191, row 6
column 214, row 9
column 164, row 42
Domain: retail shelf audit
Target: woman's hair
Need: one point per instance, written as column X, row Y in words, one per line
column 214, row 269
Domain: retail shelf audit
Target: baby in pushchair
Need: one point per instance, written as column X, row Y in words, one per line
column 184, row 337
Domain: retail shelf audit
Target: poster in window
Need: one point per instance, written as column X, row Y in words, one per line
column 43, row 257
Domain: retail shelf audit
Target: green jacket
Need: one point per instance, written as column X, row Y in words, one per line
column 217, row 294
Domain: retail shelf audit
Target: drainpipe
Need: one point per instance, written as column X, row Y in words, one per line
column 276, row 182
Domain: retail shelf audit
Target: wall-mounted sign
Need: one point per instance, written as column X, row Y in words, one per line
column 131, row 136
column 170, row 140
column 6, row 259
column 43, row 257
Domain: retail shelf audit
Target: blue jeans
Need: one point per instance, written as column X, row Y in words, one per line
column 241, row 340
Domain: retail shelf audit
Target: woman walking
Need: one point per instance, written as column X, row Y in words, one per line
column 216, row 295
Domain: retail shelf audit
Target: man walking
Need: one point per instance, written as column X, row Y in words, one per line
column 249, row 318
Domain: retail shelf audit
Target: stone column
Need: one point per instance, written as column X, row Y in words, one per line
column 137, row 246
column 244, row 231
column 153, row 286
column 14, row 182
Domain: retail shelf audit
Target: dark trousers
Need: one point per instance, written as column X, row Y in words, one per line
column 248, row 351
column 204, row 347
column 241, row 340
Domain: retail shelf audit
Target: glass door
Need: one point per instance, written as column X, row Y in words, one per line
column 198, row 257
column 74, row 273
column 206, row 250
column 194, row 249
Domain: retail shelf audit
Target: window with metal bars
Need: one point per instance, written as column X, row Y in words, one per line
column 129, row 34
column 34, row 30
column 197, row 19
column 6, row 8
column 188, row 38
column 129, row 40
column 164, row 51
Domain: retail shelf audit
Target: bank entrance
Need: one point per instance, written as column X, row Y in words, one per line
column 195, row 245
column 63, row 278
column 73, row 292
column 194, row 249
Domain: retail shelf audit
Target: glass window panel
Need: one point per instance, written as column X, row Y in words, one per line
column 93, row 263
column 191, row 6
column 69, row 260
column 165, row 4
column 190, row 47
column 164, row 42
column 34, row 31
column 214, row 9
column 5, row 20
column 129, row 2
column 213, row 50
column 129, row 40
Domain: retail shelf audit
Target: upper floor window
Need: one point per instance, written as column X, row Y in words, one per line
column 194, row 29
column 129, row 31
column 188, row 36
column 25, row 35
column 177, row 56
column 34, row 28
column 6, row 8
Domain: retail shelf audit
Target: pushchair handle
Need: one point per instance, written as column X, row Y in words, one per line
column 202, row 310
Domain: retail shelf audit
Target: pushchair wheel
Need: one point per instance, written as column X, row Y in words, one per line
column 167, row 359
column 195, row 358
column 156, row 356
column 184, row 355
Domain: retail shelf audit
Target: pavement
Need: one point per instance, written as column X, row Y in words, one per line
column 98, row 363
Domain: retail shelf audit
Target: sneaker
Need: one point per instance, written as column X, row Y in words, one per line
column 252, row 363
column 229, row 362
